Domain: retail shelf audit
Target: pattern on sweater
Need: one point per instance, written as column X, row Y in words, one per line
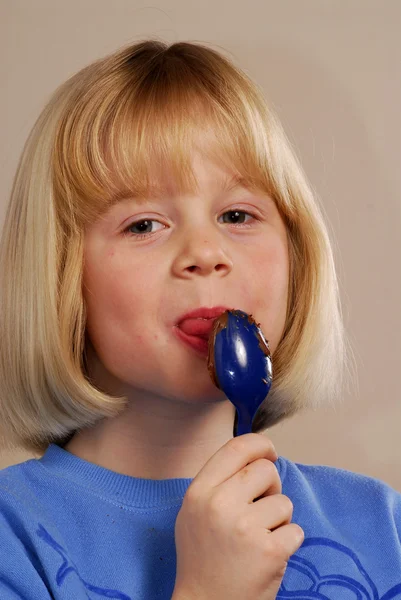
column 68, row 567
column 328, row 585
column 315, row 585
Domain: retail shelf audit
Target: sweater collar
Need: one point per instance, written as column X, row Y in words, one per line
column 125, row 489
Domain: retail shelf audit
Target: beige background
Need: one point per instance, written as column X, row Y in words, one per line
column 332, row 70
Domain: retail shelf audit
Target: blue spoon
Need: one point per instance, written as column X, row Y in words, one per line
column 240, row 364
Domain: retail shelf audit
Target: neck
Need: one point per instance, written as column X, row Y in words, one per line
column 157, row 438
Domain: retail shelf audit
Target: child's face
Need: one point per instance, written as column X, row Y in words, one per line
column 137, row 286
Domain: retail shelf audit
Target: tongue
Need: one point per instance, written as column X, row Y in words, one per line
column 200, row 327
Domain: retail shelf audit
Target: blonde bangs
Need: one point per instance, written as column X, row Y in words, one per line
column 133, row 135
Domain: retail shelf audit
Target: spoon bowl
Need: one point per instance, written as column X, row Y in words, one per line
column 240, row 364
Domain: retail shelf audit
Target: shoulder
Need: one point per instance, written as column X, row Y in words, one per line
column 16, row 492
column 352, row 526
column 337, row 488
column 18, row 476
column 318, row 475
column 21, row 516
column 29, row 506
column 20, row 487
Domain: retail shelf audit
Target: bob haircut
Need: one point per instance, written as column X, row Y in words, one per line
column 103, row 130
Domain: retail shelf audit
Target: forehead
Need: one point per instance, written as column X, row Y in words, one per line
column 222, row 184
column 207, row 176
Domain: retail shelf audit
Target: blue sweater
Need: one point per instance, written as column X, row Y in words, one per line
column 71, row 530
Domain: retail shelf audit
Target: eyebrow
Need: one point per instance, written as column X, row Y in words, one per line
column 232, row 183
column 228, row 185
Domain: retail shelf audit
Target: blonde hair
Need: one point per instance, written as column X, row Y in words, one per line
column 100, row 138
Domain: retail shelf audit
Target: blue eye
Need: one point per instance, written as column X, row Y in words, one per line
column 144, row 226
column 236, row 217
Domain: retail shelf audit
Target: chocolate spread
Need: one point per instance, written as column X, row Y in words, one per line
column 221, row 323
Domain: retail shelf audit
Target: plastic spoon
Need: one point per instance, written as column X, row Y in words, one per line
column 240, row 364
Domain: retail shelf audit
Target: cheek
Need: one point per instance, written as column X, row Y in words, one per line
column 116, row 297
column 115, row 279
column 116, row 320
column 267, row 289
column 270, row 269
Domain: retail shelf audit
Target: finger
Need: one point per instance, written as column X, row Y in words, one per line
column 232, row 457
column 270, row 513
column 284, row 541
column 257, row 479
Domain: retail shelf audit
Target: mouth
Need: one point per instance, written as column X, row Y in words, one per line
column 194, row 328
column 202, row 313
column 197, row 343
column 197, row 327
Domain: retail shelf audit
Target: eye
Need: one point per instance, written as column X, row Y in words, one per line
column 143, row 228
column 236, row 217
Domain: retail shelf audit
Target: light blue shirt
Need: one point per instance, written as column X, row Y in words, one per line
column 71, row 530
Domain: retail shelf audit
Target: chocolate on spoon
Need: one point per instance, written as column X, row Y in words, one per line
column 240, row 364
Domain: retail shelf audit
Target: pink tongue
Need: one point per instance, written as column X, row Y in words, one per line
column 200, row 327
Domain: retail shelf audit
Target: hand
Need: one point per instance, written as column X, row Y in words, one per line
column 229, row 546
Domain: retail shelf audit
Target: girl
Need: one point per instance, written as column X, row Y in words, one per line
column 156, row 190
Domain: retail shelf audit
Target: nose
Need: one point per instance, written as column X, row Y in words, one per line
column 201, row 253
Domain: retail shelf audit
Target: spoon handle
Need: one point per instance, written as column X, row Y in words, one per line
column 244, row 423
column 243, row 428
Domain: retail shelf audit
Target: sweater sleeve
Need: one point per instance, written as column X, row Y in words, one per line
column 23, row 559
column 396, row 512
column 21, row 575
column 34, row 564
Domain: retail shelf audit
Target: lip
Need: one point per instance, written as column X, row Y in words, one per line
column 205, row 316
column 199, row 344
column 203, row 313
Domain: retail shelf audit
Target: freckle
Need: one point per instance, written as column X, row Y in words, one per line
column 243, row 472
